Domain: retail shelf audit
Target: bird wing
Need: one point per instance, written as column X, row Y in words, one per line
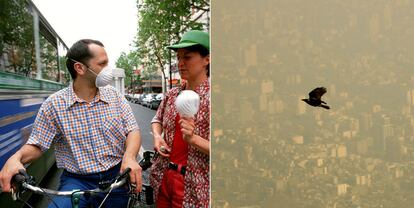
column 317, row 93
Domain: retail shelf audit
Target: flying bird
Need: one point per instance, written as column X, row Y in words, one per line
column 315, row 98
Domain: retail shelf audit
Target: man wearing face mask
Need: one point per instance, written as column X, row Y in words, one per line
column 91, row 127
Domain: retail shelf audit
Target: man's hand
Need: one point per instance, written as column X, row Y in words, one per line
column 136, row 172
column 10, row 168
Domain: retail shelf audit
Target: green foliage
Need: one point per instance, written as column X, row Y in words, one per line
column 161, row 23
column 62, row 66
column 50, row 69
column 16, row 35
column 129, row 63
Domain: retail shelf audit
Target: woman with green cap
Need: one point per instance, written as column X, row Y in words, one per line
column 180, row 172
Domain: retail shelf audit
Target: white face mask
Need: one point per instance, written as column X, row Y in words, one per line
column 104, row 77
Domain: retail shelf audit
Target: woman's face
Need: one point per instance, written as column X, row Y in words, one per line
column 192, row 65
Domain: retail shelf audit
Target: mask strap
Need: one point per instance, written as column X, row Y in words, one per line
column 85, row 65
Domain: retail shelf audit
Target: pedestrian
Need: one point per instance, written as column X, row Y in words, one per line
column 180, row 173
column 91, row 126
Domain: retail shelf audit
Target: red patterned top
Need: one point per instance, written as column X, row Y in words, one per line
column 196, row 180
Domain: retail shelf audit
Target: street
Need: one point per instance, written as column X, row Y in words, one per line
column 144, row 115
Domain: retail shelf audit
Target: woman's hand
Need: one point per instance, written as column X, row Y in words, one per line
column 187, row 128
column 161, row 146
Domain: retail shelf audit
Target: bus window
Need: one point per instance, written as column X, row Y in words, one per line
column 64, row 74
column 16, row 39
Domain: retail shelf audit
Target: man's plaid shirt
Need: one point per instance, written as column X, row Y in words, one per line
column 87, row 137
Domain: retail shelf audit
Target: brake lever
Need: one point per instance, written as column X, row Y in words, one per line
column 18, row 180
column 123, row 174
column 103, row 185
column 14, row 194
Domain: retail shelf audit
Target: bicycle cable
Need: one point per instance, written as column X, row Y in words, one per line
column 103, row 201
column 50, row 198
column 27, row 204
column 17, row 197
column 120, row 177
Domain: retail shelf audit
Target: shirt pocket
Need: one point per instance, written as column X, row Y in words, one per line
column 114, row 135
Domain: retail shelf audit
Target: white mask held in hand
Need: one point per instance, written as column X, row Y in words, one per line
column 187, row 103
column 104, row 77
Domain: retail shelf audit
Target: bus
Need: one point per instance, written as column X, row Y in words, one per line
column 32, row 67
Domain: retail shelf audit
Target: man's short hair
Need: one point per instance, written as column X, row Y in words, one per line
column 79, row 52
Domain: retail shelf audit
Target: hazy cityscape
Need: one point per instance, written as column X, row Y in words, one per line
column 273, row 150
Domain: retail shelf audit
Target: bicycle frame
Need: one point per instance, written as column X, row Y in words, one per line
column 25, row 182
column 38, row 190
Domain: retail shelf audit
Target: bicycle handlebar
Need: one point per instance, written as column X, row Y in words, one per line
column 20, row 177
column 22, row 181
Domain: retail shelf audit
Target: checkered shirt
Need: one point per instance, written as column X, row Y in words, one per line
column 87, row 137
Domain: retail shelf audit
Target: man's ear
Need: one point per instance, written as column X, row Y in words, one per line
column 79, row 68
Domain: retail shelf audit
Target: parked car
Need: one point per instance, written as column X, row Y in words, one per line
column 155, row 103
column 146, row 101
column 128, row 97
column 134, row 98
column 139, row 98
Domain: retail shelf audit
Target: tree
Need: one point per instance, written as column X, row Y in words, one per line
column 50, row 69
column 66, row 76
column 16, row 35
column 161, row 23
column 129, row 62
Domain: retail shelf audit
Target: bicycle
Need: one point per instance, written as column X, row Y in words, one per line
column 23, row 182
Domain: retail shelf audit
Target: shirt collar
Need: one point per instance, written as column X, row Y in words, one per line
column 73, row 98
column 202, row 88
column 102, row 95
column 205, row 85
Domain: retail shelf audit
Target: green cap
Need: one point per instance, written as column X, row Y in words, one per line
column 191, row 38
